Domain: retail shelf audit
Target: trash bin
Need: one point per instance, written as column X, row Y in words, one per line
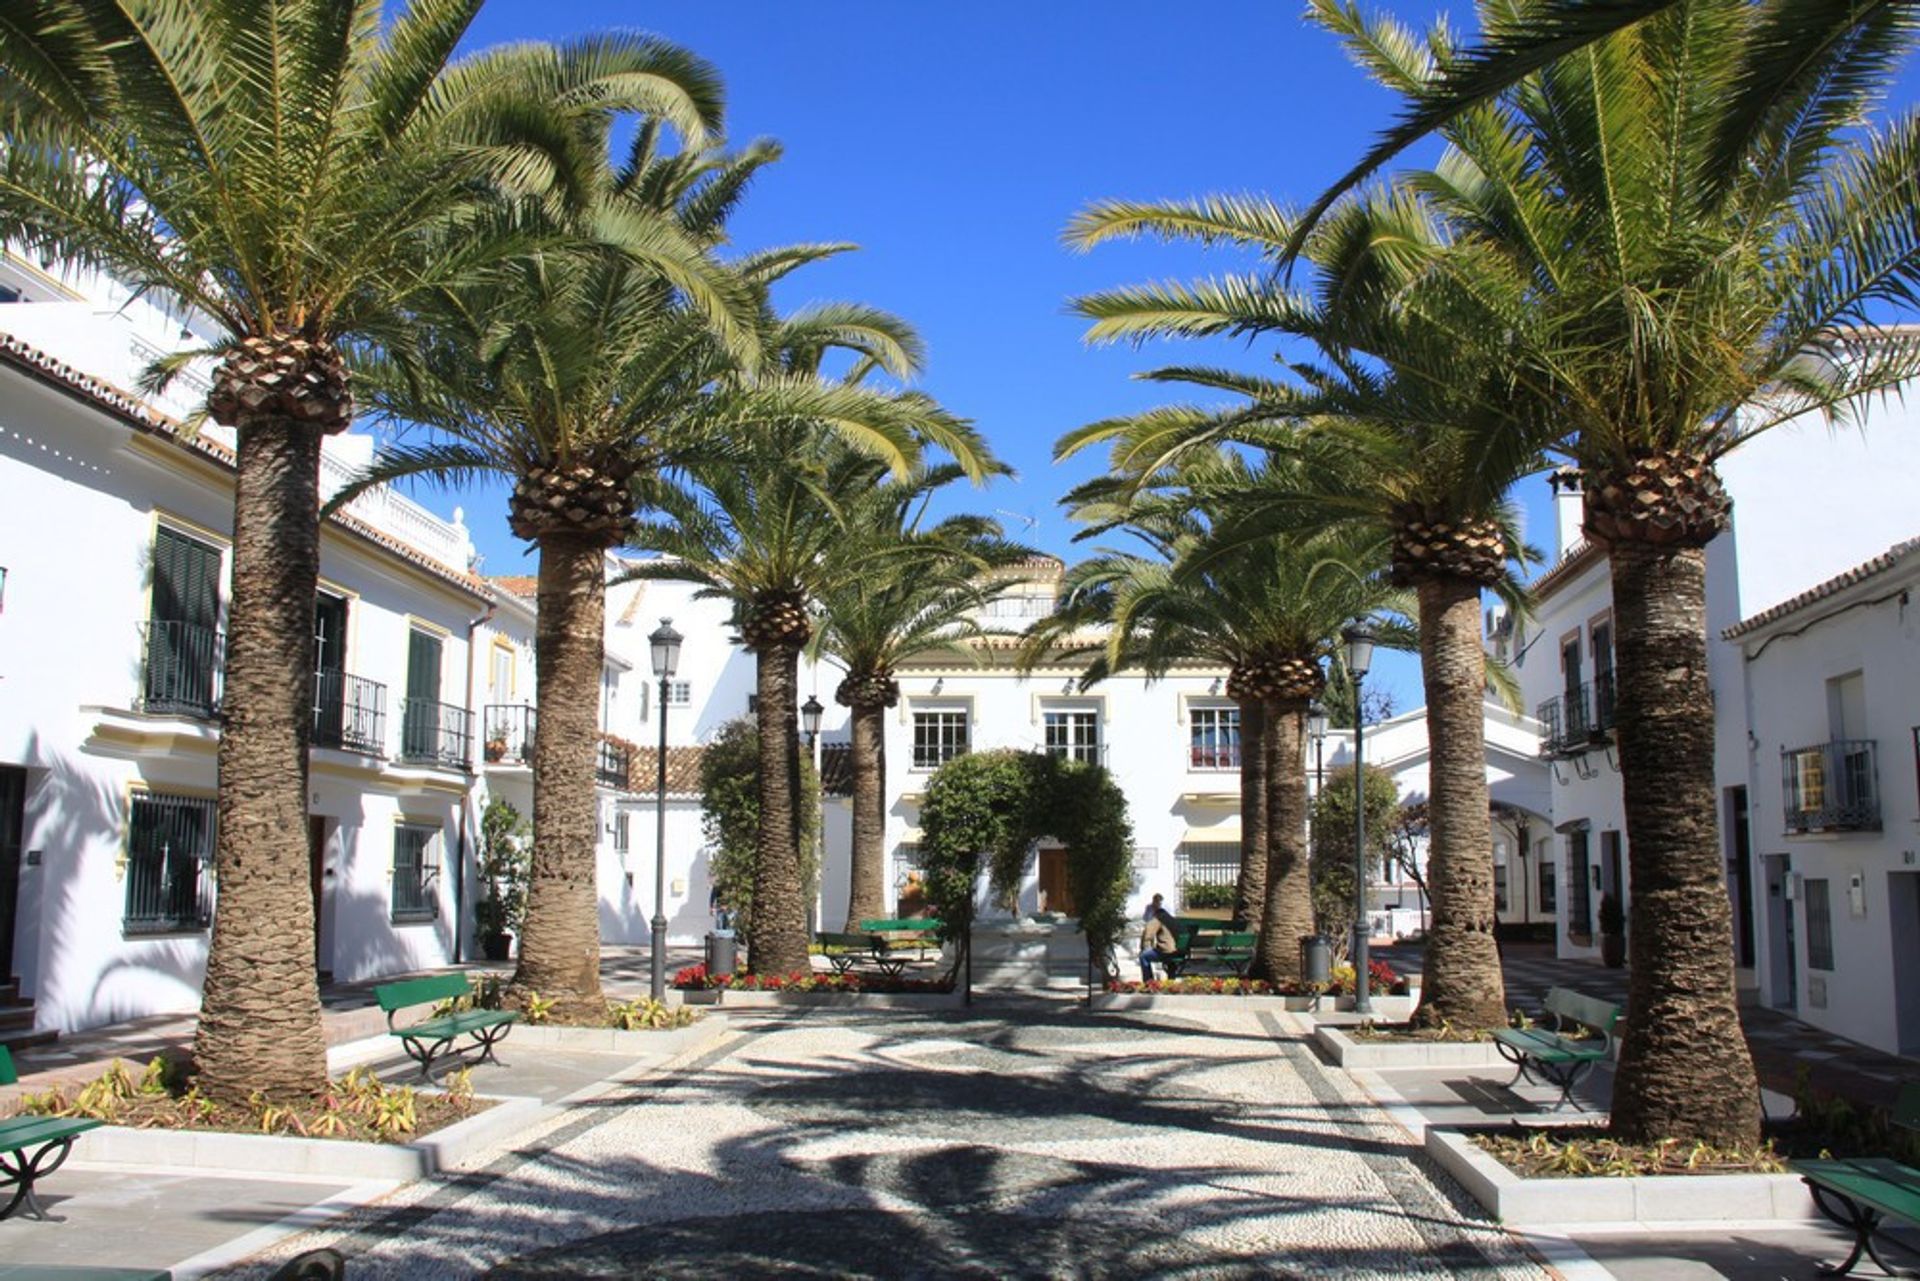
column 722, row 952
column 1316, row 958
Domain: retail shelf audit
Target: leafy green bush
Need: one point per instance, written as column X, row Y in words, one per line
column 730, row 815
column 1206, row 896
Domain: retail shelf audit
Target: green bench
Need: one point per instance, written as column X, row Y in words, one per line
column 844, row 951
column 48, row 1138
column 1556, row 1057
column 1223, row 951
column 1859, row 1193
column 921, row 933
column 427, row 1040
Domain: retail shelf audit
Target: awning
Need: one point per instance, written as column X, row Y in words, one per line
column 1575, row 825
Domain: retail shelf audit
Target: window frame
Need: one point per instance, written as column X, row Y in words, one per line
column 1219, row 714
column 1071, row 720
column 1819, row 928
column 201, row 918
column 947, row 718
column 425, row 874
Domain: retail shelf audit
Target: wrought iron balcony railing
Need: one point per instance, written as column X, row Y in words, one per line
column 434, row 733
column 1832, row 786
column 350, row 713
column 613, row 764
column 506, row 735
column 1579, row 718
column 182, row 664
column 1548, row 714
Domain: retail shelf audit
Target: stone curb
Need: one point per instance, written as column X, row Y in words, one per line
column 1351, row 1053
column 1387, row 1008
column 290, row 1154
column 384, row 1048
column 1666, row 1199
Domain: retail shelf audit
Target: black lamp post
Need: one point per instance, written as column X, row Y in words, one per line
column 665, row 644
column 1359, row 638
column 1317, row 731
column 810, row 713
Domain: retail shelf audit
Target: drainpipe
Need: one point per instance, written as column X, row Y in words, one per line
column 474, row 730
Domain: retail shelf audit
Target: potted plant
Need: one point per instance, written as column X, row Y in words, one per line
column 496, row 748
column 505, row 864
column 1613, row 932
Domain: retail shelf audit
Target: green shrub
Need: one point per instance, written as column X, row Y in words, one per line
column 1207, row 896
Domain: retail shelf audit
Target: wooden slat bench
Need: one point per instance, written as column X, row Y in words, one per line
column 1224, row 952
column 1556, row 1057
column 1861, row 1193
column 844, row 951
column 427, row 1040
column 49, row 1139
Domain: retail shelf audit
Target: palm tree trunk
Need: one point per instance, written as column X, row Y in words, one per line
column 260, row 1006
column 777, row 942
column 1250, row 894
column 867, row 891
column 1685, row 1071
column 1462, row 981
column 1289, row 911
column 560, row 941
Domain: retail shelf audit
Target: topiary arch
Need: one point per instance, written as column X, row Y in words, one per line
column 998, row 806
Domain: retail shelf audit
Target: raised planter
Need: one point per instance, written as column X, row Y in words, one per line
column 1390, row 1009
column 607, row 1040
column 288, row 1154
column 737, row 999
column 1670, row 1198
column 1356, row 1052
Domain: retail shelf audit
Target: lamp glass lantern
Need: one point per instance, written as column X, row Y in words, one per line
column 810, row 713
column 665, row 645
column 1359, row 637
column 1317, row 721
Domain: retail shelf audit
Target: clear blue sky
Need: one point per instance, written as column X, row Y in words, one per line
column 953, row 141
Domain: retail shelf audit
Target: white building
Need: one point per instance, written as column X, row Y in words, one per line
column 1830, row 811
column 1809, row 503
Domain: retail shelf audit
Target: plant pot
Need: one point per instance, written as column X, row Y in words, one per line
column 497, row 750
column 1613, row 950
column 702, row 995
column 496, row 947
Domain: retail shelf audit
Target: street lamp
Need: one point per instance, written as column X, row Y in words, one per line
column 810, row 713
column 665, row 646
column 1317, row 731
column 1359, row 638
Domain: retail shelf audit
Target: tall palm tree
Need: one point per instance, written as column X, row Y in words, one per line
column 291, row 170
column 1270, row 608
column 1396, row 429
column 897, row 589
column 1703, row 261
column 762, row 533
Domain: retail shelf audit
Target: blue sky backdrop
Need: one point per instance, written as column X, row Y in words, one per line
column 953, row 141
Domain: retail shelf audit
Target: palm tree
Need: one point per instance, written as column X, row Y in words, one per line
column 291, row 172
column 1269, row 608
column 895, row 591
column 1704, row 255
column 763, row 535
column 1399, row 430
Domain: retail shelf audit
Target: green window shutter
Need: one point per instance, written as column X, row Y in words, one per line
column 186, row 580
column 423, row 666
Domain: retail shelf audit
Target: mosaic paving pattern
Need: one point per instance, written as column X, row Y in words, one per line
column 1025, row 1141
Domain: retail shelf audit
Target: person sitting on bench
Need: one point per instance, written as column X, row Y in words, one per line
column 1157, row 943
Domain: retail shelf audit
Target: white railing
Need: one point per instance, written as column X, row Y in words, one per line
column 393, row 513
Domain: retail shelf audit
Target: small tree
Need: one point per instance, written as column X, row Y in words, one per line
column 504, row 864
column 730, row 815
column 1332, row 861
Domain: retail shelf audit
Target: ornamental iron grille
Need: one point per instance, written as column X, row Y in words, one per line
column 169, row 859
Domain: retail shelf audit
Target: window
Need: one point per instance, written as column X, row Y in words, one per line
column 1549, row 887
column 1579, row 901
column 679, row 693
column 183, row 640
column 169, row 849
column 938, row 737
column 427, row 731
column 1819, row 923
column 1499, row 887
column 1602, row 645
column 609, row 700
column 1074, row 735
column 622, row 832
column 500, row 673
column 1215, row 737
column 416, row 867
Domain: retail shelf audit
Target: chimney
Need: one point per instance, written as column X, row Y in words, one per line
column 1567, row 510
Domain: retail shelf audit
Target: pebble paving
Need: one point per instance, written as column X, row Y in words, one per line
column 1023, row 1140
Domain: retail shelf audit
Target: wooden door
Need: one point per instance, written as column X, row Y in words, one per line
column 1053, row 881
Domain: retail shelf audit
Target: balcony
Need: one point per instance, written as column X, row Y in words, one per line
column 434, row 733
column 182, row 665
column 1832, row 787
column 614, row 763
column 507, row 733
column 350, row 713
column 1579, row 719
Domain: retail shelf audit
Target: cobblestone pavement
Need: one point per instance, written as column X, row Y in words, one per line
column 1029, row 1140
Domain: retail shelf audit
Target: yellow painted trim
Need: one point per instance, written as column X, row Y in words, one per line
column 1211, row 798
column 194, row 529
column 429, row 626
column 504, row 646
column 158, row 741
column 52, row 282
column 171, row 455
column 352, row 600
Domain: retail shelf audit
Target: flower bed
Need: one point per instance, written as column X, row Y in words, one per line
column 358, row 1107
column 1577, row 1153
column 1385, row 983
column 644, row 1014
column 696, row 979
column 1445, row 1034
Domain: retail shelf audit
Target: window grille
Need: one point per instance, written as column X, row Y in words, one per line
column 1819, row 923
column 938, row 737
column 169, row 854
column 416, row 869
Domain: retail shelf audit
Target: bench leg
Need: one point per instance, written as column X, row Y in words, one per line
column 486, row 1037
column 1566, row 1078
column 1519, row 1060
column 424, row 1052
column 23, row 1173
column 1859, row 1220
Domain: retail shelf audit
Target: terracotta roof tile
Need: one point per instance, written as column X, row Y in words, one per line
column 1832, row 587
column 683, row 769
column 525, row 586
column 836, row 769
